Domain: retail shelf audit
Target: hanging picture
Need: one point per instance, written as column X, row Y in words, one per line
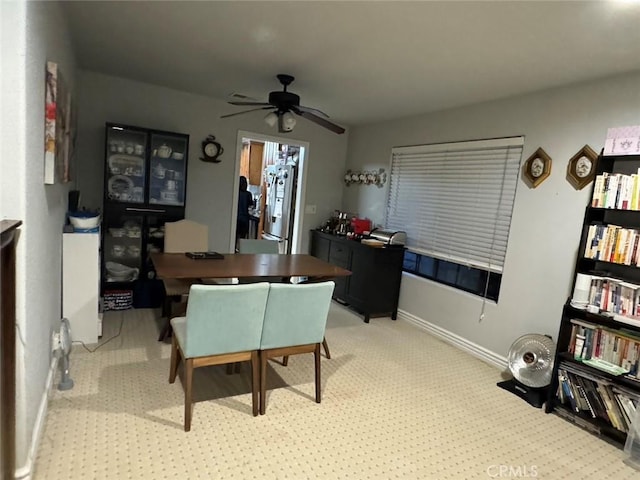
column 537, row 167
column 581, row 169
column 58, row 135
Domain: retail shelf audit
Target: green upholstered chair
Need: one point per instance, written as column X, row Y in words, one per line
column 223, row 325
column 294, row 323
column 251, row 245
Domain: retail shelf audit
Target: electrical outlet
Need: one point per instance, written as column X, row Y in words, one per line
column 310, row 209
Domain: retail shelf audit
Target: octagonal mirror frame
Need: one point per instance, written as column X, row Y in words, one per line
column 537, row 167
column 581, row 169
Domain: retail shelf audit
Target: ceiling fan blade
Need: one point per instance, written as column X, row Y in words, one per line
column 319, row 120
column 247, row 111
column 313, row 110
column 249, row 103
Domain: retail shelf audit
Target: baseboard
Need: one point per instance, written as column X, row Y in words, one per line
column 457, row 341
column 26, row 471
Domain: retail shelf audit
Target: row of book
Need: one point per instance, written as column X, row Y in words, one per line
column 613, row 243
column 596, row 397
column 615, row 296
column 617, row 190
column 618, row 351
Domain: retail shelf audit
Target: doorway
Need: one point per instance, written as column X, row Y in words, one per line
column 275, row 151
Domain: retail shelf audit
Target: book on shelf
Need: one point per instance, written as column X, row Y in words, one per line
column 611, row 408
column 597, row 199
column 595, row 396
column 624, row 196
column 616, row 352
column 611, row 195
column 615, row 296
column 566, row 392
column 596, row 402
column 579, row 346
column 616, row 191
column 605, row 366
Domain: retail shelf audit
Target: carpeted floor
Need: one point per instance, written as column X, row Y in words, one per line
column 397, row 404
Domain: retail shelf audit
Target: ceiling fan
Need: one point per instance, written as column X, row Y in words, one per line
column 282, row 105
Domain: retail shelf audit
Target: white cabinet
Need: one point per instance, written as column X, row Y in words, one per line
column 81, row 285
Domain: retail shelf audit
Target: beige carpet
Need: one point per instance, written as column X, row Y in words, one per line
column 397, row 404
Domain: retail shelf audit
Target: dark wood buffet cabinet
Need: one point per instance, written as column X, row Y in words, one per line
column 373, row 287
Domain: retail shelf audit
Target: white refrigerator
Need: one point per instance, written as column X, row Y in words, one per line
column 280, row 204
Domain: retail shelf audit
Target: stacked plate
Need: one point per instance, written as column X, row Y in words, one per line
column 117, row 272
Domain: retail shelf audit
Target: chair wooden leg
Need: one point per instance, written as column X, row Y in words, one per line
column 166, row 307
column 285, row 361
column 188, row 380
column 255, row 382
column 263, row 383
column 166, row 331
column 173, row 368
column 325, row 345
column 229, row 368
column 316, row 354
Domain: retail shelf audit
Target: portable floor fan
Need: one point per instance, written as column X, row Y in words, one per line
column 63, row 349
column 530, row 362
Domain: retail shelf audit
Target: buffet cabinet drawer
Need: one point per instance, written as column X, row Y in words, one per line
column 340, row 255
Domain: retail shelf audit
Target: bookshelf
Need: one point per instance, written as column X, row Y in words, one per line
column 596, row 377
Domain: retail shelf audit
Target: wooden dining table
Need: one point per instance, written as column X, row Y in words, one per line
column 244, row 265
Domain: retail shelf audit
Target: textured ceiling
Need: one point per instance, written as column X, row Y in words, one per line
column 360, row 62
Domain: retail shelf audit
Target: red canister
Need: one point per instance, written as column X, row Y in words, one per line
column 360, row 225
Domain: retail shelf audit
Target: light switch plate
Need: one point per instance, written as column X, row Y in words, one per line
column 310, row 209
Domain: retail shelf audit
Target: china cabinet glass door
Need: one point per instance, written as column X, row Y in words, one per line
column 167, row 166
column 126, row 162
column 122, row 248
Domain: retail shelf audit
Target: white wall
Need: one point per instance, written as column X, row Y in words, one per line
column 546, row 222
column 32, row 33
column 210, row 187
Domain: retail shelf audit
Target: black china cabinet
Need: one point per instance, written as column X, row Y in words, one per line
column 145, row 186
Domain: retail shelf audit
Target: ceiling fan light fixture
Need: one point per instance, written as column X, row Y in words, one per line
column 287, row 122
column 271, row 119
column 283, row 105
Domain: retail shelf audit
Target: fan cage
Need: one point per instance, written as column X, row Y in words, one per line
column 530, row 360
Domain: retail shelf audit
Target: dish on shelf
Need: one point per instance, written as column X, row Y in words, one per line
column 134, row 233
column 156, row 233
column 116, row 232
column 126, row 164
column 119, row 187
column 117, row 272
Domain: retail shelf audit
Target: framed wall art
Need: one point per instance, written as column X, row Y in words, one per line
column 581, row 169
column 58, row 146
column 537, row 167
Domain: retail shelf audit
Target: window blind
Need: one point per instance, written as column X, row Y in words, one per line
column 455, row 200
